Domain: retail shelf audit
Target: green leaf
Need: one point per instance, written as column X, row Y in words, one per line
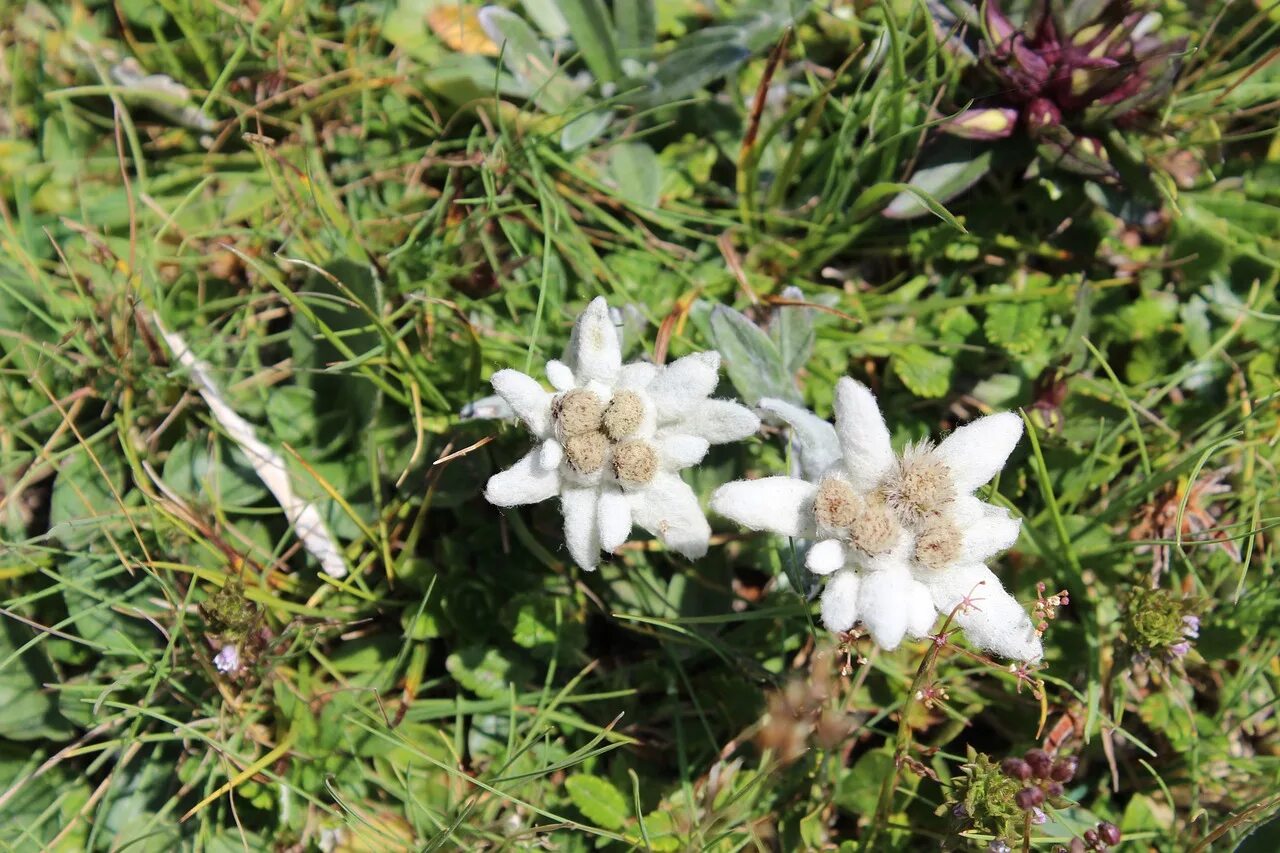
column 585, row 128
column 28, row 709
column 1016, row 326
column 592, row 31
column 636, row 21
column 925, row 373
column 483, row 671
column 291, row 411
column 687, row 70
column 83, row 499
column 598, row 800
column 937, row 181
column 751, row 360
column 548, row 17
column 792, row 331
column 528, row 60
column 636, row 171
column 858, row 791
column 217, row 472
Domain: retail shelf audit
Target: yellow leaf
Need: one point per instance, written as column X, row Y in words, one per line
column 459, row 28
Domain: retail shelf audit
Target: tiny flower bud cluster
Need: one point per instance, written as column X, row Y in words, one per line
column 1044, row 777
column 1046, row 609
column 1103, row 837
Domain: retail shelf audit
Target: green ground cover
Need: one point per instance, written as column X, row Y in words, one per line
column 354, row 213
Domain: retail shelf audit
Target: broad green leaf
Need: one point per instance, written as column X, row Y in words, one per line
column 598, row 800
column 751, row 360
column 43, row 807
column 637, row 173
column 214, row 471
column 547, row 16
column 84, row 498
column 1016, row 326
column 593, row 33
column 924, row 372
column 792, row 331
column 938, row 181
column 28, row 709
column 528, row 60
column 687, row 70
column 636, row 21
column 585, row 128
column 858, row 790
column 483, row 671
column 291, row 411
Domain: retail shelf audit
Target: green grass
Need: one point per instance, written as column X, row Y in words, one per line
column 370, row 223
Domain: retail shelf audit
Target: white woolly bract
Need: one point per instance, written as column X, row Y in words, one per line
column 613, row 518
column 840, row 601
column 826, row 557
column 992, row 619
column 526, row 482
column 581, row 527
column 884, row 605
column 594, row 353
column 813, row 440
column 864, row 438
column 528, row 399
column 779, row 504
column 718, row 421
column 669, row 510
column 979, row 449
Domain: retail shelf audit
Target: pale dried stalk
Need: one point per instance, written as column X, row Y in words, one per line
column 268, row 464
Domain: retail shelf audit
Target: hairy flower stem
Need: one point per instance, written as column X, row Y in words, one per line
column 902, row 741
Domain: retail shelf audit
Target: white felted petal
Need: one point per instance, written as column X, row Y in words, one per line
column 825, row 557
column 614, row 518
column 994, row 621
column 719, row 421
column 529, row 400
column 864, row 438
column 669, row 509
column 581, row 528
column 987, row 530
column 921, row 614
column 550, row 454
column 525, row 482
column 637, row 375
column 977, row 450
column 559, row 375
column 813, row 439
column 594, row 352
column 883, row 604
column 840, row 601
column 779, row 504
column 681, row 451
column 684, row 382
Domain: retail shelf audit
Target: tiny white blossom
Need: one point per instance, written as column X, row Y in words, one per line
column 612, row 439
column 227, row 661
column 901, row 538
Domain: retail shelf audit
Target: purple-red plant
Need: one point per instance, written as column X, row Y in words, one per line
column 1068, row 72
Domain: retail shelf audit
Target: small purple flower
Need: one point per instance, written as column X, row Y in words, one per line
column 1180, row 649
column 1038, row 816
column 1108, row 69
column 227, row 661
column 1191, row 626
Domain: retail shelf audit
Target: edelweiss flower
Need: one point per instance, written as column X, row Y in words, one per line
column 902, row 537
column 613, row 437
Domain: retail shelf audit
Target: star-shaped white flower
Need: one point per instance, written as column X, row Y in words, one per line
column 613, row 437
column 902, row 538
